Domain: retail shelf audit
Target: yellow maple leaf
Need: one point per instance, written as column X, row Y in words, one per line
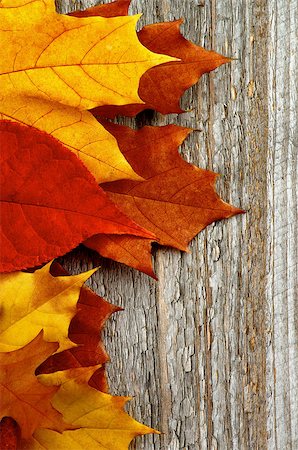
column 100, row 418
column 54, row 67
column 31, row 302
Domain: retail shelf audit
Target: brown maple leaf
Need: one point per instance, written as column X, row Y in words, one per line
column 84, row 330
column 114, row 9
column 9, row 434
column 23, row 397
column 161, row 87
column 176, row 201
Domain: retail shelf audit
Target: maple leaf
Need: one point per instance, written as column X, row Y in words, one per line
column 99, row 380
column 49, row 201
column 84, row 330
column 30, row 302
column 113, row 9
column 161, row 87
column 100, row 418
column 175, row 201
column 9, row 434
column 52, row 69
column 131, row 251
column 23, row 397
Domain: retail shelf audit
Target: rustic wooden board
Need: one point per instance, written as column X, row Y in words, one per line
column 210, row 352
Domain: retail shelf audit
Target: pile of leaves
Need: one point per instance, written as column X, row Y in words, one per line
column 70, row 175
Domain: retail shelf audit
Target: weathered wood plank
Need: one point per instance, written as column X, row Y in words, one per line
column 282, row 219
column 210, row 352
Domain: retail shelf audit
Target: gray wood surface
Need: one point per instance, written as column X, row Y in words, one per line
column 210, row 352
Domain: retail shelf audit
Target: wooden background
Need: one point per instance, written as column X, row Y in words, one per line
column 210, row 352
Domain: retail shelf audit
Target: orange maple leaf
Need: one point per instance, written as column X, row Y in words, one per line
column 175, row 201
column 23, row 397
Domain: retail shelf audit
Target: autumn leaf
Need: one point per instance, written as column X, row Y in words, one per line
column 176, row 201
column 84, row 330
column 100, row 418
column 161, row 87
column 52, row 69
column 113, row 9
column 131, row 251
column 23, row 397
column 80, row 132
column 30, row 302
column 9, row 434
column 49, row 201
column 99, row 380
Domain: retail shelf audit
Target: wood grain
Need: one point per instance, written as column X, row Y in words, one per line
column 210, row 352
